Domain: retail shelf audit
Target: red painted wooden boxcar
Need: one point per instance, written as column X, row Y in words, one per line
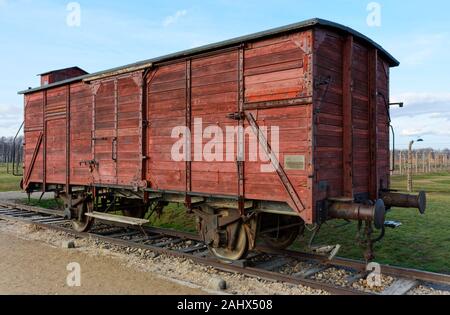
column 105, row 141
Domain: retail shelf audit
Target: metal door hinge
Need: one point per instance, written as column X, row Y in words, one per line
column 236, row 116
column 321, row 81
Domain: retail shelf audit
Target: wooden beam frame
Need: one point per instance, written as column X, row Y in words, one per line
column 33, row 160
column 188, row 125
column 241, row 135
column 44, row 152
column 347, row 111
column 68, row 139
column 373, row 125
column 115, row 141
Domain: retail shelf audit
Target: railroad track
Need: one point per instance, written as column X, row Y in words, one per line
column 340, row 276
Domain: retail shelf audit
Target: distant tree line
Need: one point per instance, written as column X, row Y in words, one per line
column 11, row 153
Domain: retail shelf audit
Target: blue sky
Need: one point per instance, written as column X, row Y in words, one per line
column 34, row 37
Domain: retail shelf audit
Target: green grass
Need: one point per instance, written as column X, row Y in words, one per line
column 8, row 182
column 422, row 242
column 44, row 203
column 175, row 217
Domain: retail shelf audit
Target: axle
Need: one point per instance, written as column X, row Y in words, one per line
column 359, row 212
column 392, row 199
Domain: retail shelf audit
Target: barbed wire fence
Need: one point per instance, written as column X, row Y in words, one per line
column 425, row 161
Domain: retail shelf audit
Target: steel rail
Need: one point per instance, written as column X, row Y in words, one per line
column 422, row 276
column 388, row 270
column 206, row 261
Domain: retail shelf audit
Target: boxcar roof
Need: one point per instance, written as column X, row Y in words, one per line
column 228, row 43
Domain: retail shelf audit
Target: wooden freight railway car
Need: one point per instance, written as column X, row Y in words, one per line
column 314, row 95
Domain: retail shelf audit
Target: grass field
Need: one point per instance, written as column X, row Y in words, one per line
column 8, row 182
column 422, row 242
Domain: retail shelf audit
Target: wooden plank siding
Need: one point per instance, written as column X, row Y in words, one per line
column 347, row 112
column 117, row 124
column 166, row 105
column 105, row 132
column 80, row 134
column 129, row 144
column 214, row 95
column 383, row 124
column 34, row 126
column 55, row 144
column 374, row 183
column 352, row 138
column 329, row 120
column 361, row 119
column 320, row 88
column 280, row 69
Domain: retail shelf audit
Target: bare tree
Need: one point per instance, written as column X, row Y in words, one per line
column 11, row 153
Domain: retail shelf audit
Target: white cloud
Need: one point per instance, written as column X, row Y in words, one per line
column 10, row 119
column 425, row 125
column 417, row 103
column 9, row 111
column 174, row 18
column 425, row 115
column 422, row 48
column 434, row 130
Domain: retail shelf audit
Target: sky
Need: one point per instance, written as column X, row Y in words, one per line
column 41, row 35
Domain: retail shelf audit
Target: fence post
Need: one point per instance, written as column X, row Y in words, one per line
column 401, row 163
column 417, row 162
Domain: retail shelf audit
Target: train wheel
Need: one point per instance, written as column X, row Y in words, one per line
column 281, row 238
column 85, row 224
column 241, row 245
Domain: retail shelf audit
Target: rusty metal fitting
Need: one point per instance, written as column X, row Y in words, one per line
column 359, row 212
column 405, row 201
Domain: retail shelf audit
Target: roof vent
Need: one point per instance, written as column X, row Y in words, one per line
column 61, row 75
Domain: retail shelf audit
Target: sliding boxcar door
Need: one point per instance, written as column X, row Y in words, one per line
column 215, row 89
column 166, row 103
column 129, row 137
column 105, row 133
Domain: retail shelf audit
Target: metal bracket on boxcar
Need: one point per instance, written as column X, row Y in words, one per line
column 387, row 104
column 330, row 250
column 93, row 164
column 236, row 116
column 88, row 162
column 321, row 81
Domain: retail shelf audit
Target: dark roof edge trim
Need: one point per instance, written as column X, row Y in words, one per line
column 223, row 44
